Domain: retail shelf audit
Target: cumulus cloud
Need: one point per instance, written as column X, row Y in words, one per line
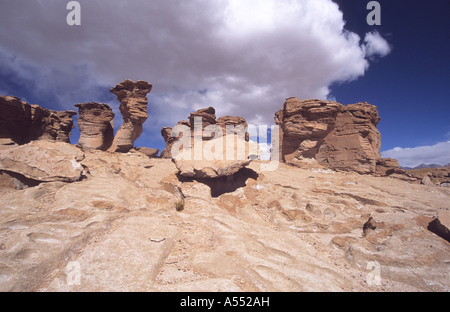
column 242, row 57
column 438, row 154
column 375, row 45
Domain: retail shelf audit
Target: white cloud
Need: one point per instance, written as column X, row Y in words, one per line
column 374, row 44
column 438, row 154
column 242, row 57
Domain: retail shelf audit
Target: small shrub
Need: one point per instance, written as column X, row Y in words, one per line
column 179, row 205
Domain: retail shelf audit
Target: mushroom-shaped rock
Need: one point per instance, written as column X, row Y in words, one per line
column 133, row 107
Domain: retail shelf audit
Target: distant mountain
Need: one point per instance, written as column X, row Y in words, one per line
column 422, row 166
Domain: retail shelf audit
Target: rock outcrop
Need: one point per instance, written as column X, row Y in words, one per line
column 95, row 121
column 388, row 166
column 133, row 107
column 336, row 136
column 22, row 122
column 134, row 225
column 237, row 125
column 213, row 165
column 209, row 152
column 43, row 161
column 431, row 176
column 147, row 151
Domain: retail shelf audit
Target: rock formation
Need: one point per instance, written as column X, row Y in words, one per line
column 431, row 176
column 133, row 107
column 133, row 224
column 43, row 161
column 147, row 151
column 331, row 134
column 388, row 166
column 213, row 163
column 209, row 152
column 22, row 122
column 208, row 118
column 95, row 121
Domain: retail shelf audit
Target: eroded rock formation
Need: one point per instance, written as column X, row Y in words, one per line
column 21, row 122
column 388, row 166
column 341, row 137
column 96, row 126
column 237, row 125
column 43, row 161
column 133, row 107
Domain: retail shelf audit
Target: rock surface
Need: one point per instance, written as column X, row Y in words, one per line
column 150, row 152
column 214, row 158
column 217, row 127
column 133, row 107
column 331, row 134
column 43, row 161
column 432, row 176
column 292, row 229
column 22, row 122
column 95, row 121
column 388, row 166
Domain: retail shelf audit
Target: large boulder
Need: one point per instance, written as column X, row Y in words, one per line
column 215, row 159
column 43, row 161
column 388, row 166
column 133, row 107
column 341, row 137
column 95, row 121
column 21, row 122
column 201, row 120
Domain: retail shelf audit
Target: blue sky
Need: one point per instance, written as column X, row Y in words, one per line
column 242, row 57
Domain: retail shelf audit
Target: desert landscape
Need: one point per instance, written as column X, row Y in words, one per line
column 325, row 213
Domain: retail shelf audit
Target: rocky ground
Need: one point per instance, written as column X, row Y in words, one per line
column 131, row 224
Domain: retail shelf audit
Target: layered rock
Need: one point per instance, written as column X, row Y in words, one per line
column 388, row 166
column 214, row 160
column 330, row 134
column 43, row 161
column 431, row 176
column 133, row 107
column 21, row 122
column 147, row 151
column 96, row 126
column 237, row 126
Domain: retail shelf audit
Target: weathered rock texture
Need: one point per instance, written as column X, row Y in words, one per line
column 433, row 176
column 331, row 134
column 43, row 161
column 22, row 122
column 147, row 151
column 95, row 121
column 213, row 164
column 208, row 118
column 388, row 166
column 133, row 107
column 291, row 229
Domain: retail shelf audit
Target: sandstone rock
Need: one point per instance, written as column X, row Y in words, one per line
column 289, row 231
column 441, row 224
column 166, row 133
column 432, row 176
column 427, row 181
column 133, row 107
column 336, row 136
column 43, row 161
column 22, row 122
column 236, row 125
column 150, row 152
column 96, row 126
column 388, row 166
column 214, row 159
